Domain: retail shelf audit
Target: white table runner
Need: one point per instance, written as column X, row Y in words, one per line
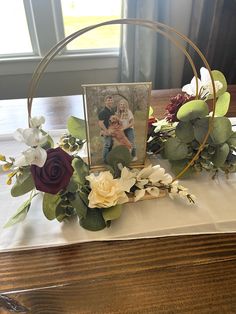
column 215, row 211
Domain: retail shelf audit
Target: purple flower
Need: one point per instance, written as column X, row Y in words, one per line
column 55, row 174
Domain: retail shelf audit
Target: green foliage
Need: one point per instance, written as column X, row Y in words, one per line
column 24, row 183
column 50, row 203
column 81, row 170
column 221, row 131
column 184, row 131
column 200, row 128
column 76, row 127
column 192, row 110
column 150, row 111
column 232, row 139
column 119, row 155
column 219, row 76
column 220, row 155
column 94, row 220
column 111, row 213
column 79, row 205
column 49, row 143
column 20, row 214
column 178, row 165
column 222, row 104
column 175, row 149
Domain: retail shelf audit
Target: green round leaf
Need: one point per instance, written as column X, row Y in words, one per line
column 79, row 205
column 76, row 127
column 232, row 139
column 119, row 154
column 24, row 183
column 94, row 220
column 200, row 128
column 221, row 131
column 221, row 154
column 175, row 149
column 219, row 76
column 50, row 203
column 192, row 110
column 184, row 131
column 111, row 213
column 222, row 105
column 81, row 170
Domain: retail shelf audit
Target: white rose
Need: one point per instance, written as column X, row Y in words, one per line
column 106, row 191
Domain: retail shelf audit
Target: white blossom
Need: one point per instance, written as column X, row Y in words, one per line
column 205, row 87
column 32, row 156
column 36, row 122
column 31, row 136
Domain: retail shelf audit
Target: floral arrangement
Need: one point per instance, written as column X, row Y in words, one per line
column 68, row 187
column 179, row 136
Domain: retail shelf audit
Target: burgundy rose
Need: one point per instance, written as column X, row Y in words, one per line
column 55, row 174
column 175, row 104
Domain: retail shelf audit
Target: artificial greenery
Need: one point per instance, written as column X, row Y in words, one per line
column 179, row 142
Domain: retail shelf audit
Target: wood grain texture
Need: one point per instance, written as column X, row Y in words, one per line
column 187, row 274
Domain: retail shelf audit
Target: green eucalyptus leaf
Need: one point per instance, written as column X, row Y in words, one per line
column 49, row 143
column 222, row 105
column 50, row 203
column 81, row 170
column 175, row 149
column 192, row 110
column 79, row 205
column 184, row 131
column 76, row 127
column 200, row 128
column 111, row 213
column 232, row 139
column 221, row 154
column 221, row 131
column 119, row 154
column 178, row 165
column 94, row 220
column 20, row 214
column 24, row 183
column 60, row 212
column 72, row 186
column 219, row 76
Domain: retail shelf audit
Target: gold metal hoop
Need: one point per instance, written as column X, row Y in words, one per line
column 158, row 27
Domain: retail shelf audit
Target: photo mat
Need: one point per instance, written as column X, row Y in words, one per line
column 116, row 114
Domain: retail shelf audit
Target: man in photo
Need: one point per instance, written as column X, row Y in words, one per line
column 104, row 117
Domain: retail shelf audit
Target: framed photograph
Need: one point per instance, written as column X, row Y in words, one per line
column 116, row 114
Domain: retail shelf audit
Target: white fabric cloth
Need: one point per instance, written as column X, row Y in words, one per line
column 214, row 212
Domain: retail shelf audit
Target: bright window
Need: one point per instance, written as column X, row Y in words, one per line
column 14, row 32
column 78, row 14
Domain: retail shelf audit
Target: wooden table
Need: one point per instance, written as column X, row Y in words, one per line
column 184, row 274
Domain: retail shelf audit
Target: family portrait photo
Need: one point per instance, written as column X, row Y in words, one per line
column 116, row 114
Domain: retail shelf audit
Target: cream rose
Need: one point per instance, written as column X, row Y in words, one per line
column 107, row 191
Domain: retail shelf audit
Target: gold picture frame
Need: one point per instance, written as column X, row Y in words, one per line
column 116, row 114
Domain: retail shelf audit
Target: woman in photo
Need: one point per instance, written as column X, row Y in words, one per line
column 127, row 119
